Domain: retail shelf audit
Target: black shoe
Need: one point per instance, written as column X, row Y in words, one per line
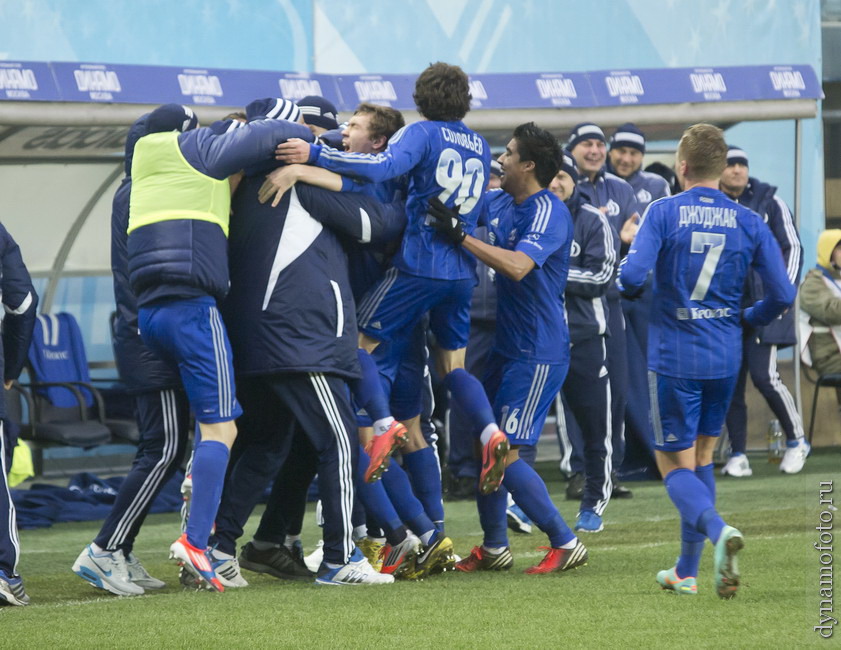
column 575, row 487
column 277, row 561
column 619, row 490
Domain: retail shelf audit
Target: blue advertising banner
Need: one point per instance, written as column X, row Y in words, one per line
column 678, row 85
column 386, row 90
column 27, row 80
column 100, row 82
column 547, row 90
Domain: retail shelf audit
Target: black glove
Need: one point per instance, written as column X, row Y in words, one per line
column 446, row 221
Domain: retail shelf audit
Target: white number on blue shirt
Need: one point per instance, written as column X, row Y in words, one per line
column 711, row 244
column 454, row 175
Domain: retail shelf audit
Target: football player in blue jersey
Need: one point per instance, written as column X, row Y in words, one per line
column 701, row 246
column 442, row 158
column 531, row 234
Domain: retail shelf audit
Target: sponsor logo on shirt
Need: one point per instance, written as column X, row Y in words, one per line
column 59, row 355
column 612, row 208
column 697, row 313
column 644, row 196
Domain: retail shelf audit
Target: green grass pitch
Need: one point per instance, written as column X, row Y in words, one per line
column 612, row 602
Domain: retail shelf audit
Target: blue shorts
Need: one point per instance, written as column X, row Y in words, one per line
column 393, row 307
column 403, row 373
column 521, row 393
column 683, row 409
column 191, row 335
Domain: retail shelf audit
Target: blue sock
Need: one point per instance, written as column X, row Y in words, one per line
column 209, row 464
column 706, row 473
column 373, row 496
column 368, row 390
column 471, row 397
column 425, row 475
column 492, row 517
column 691, row 548
column 530, row 493
column 692, row 499
column 408, row 507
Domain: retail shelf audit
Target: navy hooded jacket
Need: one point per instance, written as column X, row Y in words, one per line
column 290, row 307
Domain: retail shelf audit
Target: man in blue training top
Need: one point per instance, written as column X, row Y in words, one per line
column 179, row 211
column 442, row 158
column 586, row 392
column 701, row 246
column 20, row 304
column 616, row 199
column 760, row 345
column 531, row 234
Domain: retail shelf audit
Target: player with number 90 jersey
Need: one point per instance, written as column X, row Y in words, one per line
column 701, row 244
column 443, row 159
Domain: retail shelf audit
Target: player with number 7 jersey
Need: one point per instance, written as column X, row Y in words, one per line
column 701, row 245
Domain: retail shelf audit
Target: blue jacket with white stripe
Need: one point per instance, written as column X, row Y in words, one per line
column 762, row 198
column 593, row 261
column 20, row 303
column 290, row 307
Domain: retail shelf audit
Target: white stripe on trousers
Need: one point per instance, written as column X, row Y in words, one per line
column 607, row 486
column 12, row 523
column 223, row 378
column 153, row 481
column 532, row 400
column 328, row 403
column 654, row 401
column 563, row 435
column 784, row 394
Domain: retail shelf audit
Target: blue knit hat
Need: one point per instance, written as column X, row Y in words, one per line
column 273, row 108
column 171, row 117
column 569, row 166
column 628, row 135
column 319, row 112
column 736, row 155
column 584, row 131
